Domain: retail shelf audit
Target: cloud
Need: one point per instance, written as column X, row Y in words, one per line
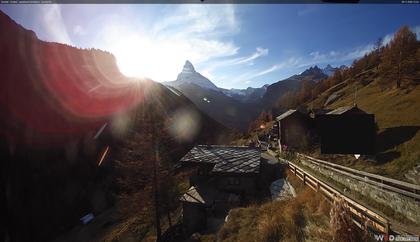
column 208, row 20
column 249, row 76
column 357, row 53
column 269, row 70
column 298, row 63
column 387, row 38
column 53, row 24
column 313, row 58
column 328, row 57
column 198, row 33
column 259, row 53
column 79, row 30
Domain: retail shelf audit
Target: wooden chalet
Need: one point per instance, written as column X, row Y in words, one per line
column 226, row 177
column 294, row 129
column 346, row 130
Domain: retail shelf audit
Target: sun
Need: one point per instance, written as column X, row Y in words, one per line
column 144, row 57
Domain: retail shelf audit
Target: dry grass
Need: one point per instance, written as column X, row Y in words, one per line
column 385, row 209
column 342, row 226
column 398, row 119
column 304, row 218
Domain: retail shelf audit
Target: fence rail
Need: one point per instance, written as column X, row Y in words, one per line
column 365, row 216
column 369, row 217
column 400, row 187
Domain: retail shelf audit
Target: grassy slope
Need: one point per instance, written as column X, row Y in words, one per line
column 303, row 218
column 398, row 118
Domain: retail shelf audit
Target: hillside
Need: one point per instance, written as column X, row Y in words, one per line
column 279, row 89
column 76, row 137
column 385, row 83
column 398, row 120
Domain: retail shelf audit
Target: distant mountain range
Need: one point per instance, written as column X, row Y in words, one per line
column 293, row 83
column 237, row 107
column 249, row 95
column 329, row 70
column 213, row 100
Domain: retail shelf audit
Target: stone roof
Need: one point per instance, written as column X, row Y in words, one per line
column 199, row 195
column 206, row 195
column 226, row 159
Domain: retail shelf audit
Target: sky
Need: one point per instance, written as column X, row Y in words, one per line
column 235, row 46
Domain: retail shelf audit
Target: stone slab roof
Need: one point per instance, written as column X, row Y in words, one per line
column 226, row 159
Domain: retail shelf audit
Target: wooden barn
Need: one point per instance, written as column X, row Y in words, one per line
column 225, row 177
column 346, row 130
column 294, row 129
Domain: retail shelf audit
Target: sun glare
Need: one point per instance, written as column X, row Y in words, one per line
column 146, row 58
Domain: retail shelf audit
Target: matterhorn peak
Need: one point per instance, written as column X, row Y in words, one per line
column 189, row 75
column 188, row 67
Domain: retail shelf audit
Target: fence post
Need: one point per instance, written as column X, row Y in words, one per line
column 387, row 228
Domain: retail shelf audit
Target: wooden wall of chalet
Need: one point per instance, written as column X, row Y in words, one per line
column 244, row 185
column 294, row 130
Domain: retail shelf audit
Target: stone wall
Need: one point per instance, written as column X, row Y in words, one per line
column 407, row 206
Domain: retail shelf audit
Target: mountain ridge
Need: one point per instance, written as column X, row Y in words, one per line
column 63, row 108
column 236, row 108
column 276, row 90
column 190, row 75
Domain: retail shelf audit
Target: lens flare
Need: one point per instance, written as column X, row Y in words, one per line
column 53, row 92
column 184, row 125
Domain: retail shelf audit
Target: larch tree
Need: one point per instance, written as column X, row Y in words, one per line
column 399, row 58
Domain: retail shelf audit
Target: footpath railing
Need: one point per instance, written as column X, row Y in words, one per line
column 366, row 216
column 363, row 217
column 400, row 187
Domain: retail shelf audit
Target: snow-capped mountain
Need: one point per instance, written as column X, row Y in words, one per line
column 249, row 94
column 212, row 100
column 237, row 107
column 329, row 70
column 189, row 75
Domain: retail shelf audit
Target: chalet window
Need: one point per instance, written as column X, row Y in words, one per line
column 233, row 181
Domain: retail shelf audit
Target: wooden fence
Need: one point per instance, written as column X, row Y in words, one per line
column 364, row 217
column 370, row 218
column 400, row 187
